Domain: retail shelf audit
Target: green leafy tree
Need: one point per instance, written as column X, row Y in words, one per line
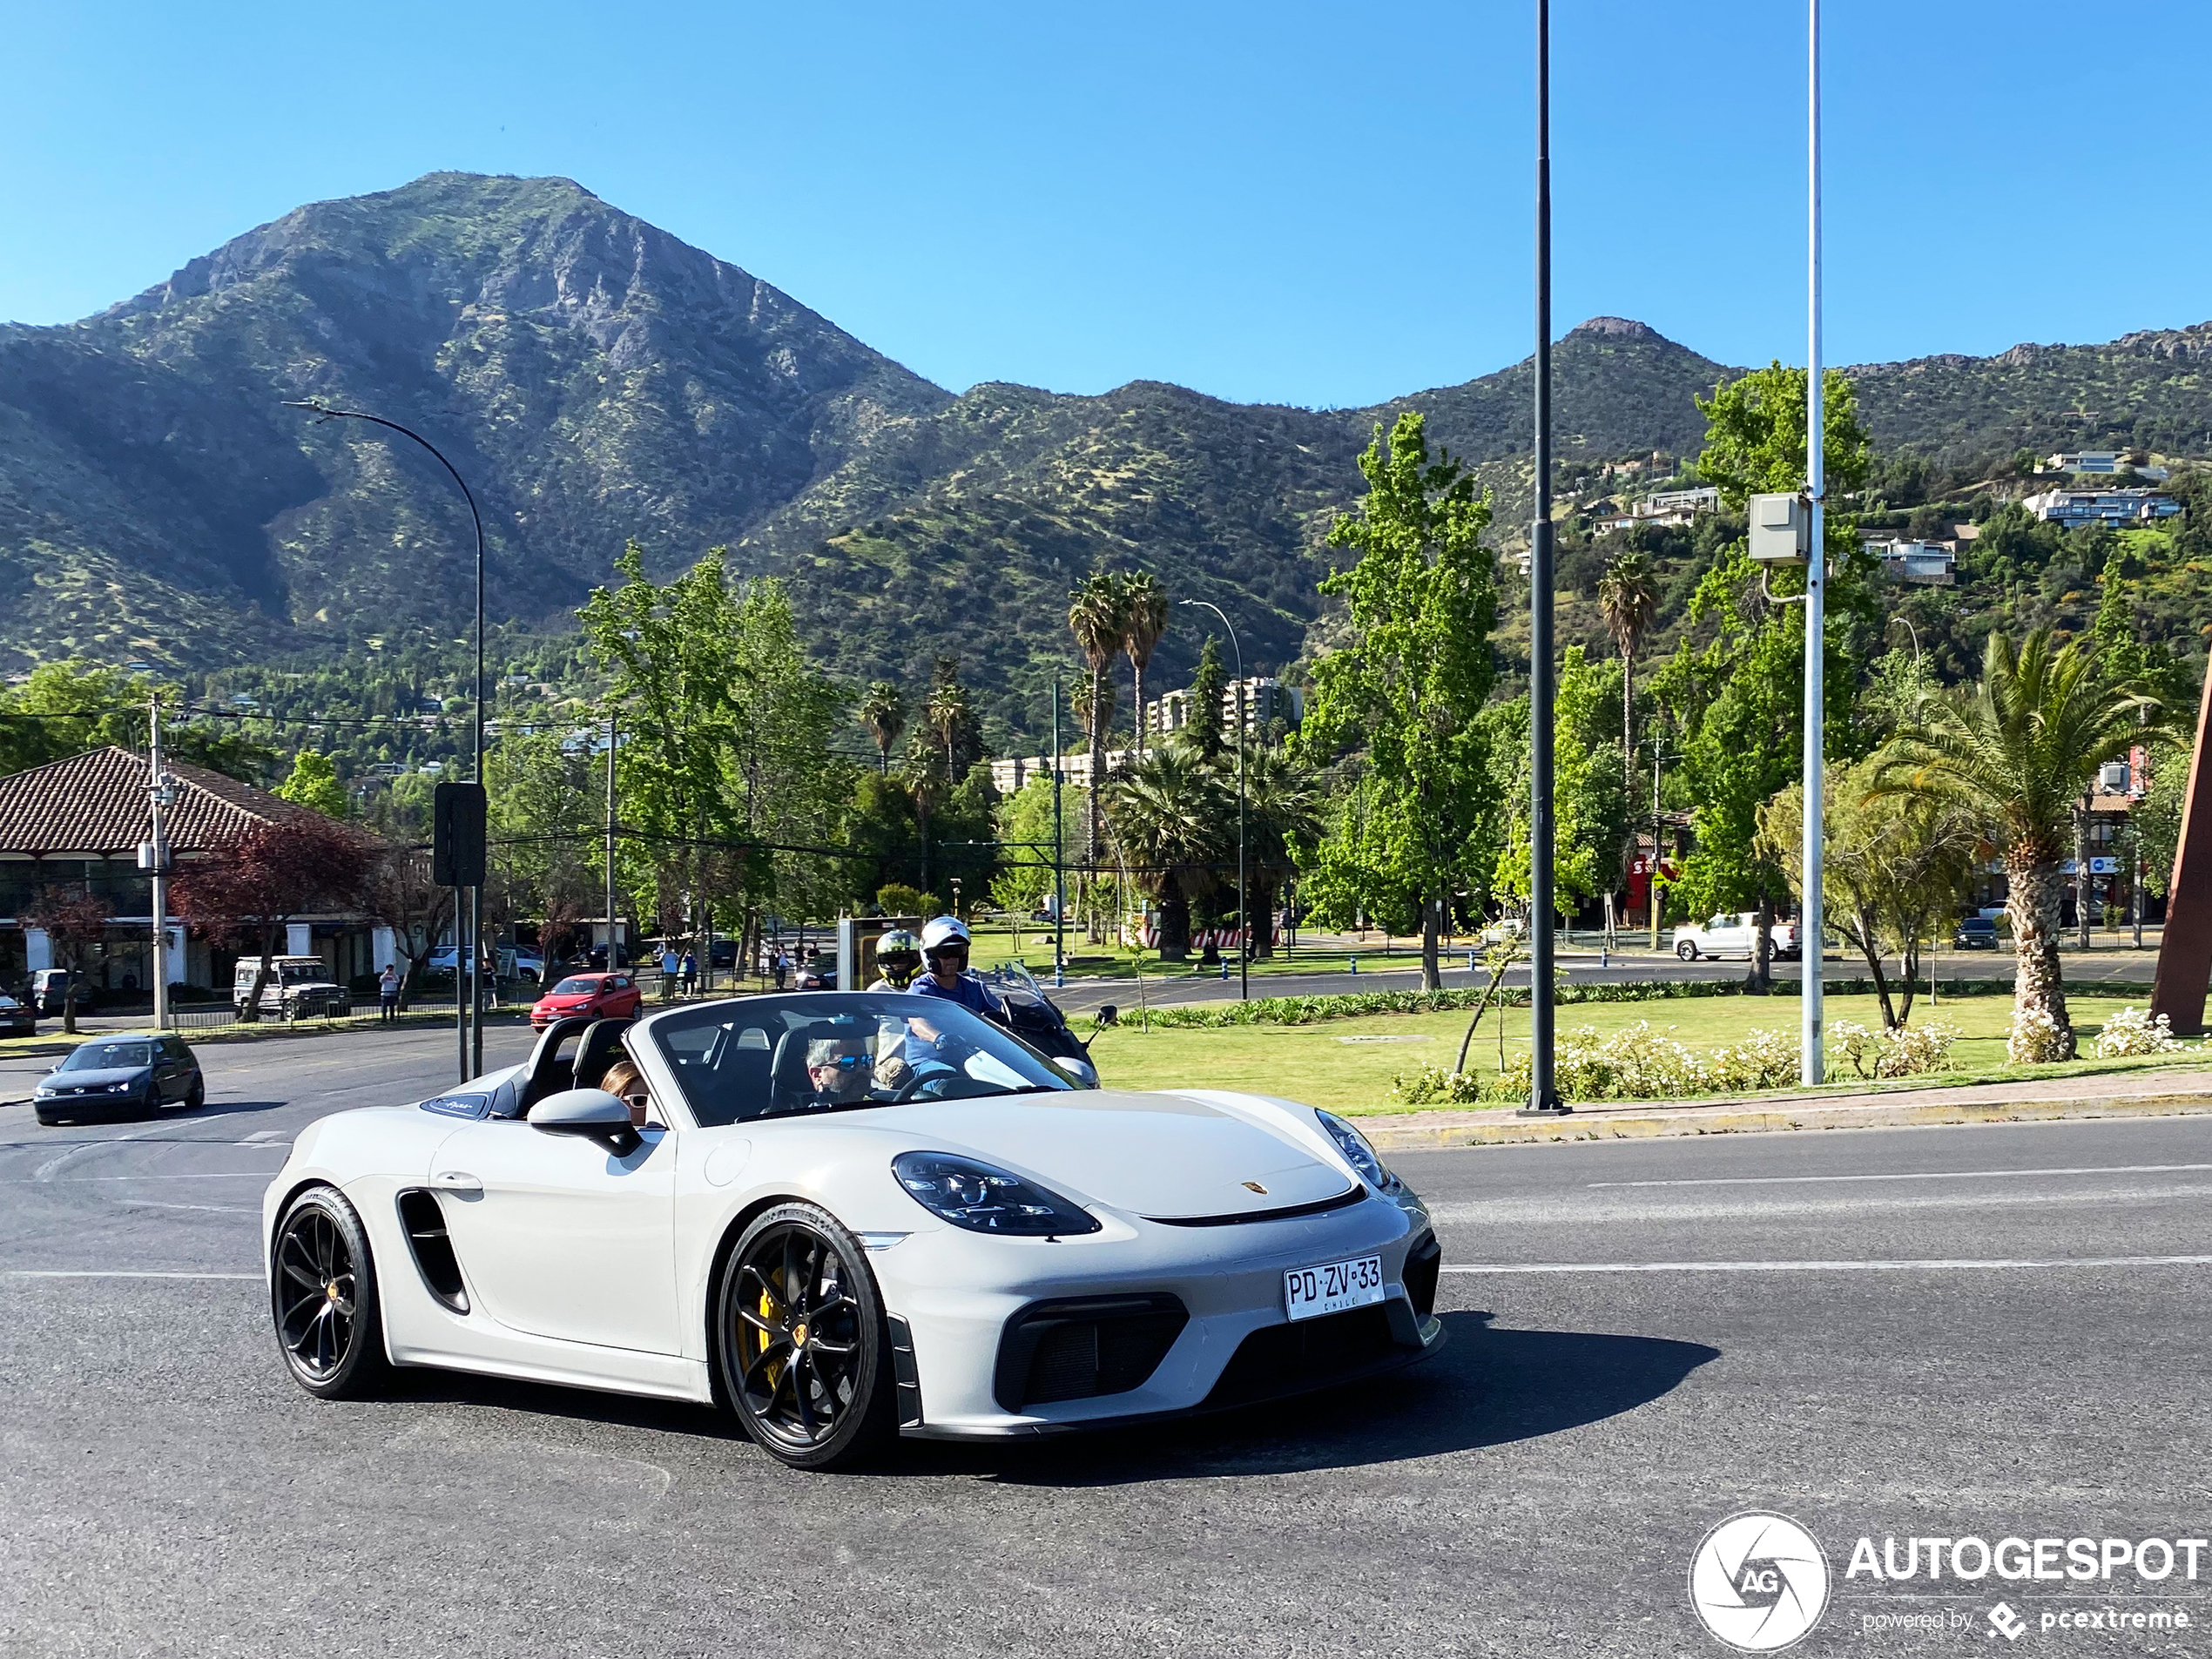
column 2015, row 752
column 1589, row 797
column 1209, row 685
column 1025, row 826
column 313, row 783
column 952, row 718
column 1739, row 697
column 1409, row 686
column 1892, row 866
column 64, row 708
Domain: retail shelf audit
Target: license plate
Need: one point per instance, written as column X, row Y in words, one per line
column 1308, row 1292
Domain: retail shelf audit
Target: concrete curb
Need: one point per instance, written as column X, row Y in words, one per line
column 1633, row 1124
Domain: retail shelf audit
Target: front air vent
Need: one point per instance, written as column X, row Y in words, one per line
column 433, row 1247
column 1080, row 1349
column 1423, row 1263
column 1279, row 1359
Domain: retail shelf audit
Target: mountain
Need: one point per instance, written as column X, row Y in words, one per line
column 595, row 379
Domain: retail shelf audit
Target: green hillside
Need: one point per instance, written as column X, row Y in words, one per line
column 597, row 380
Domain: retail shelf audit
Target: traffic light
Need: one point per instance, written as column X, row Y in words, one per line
column 457, row 836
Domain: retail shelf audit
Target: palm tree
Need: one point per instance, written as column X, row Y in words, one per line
column 883, row 710
column 918, row 777
column 1282, row 810
column 1095, row 611
column 2017, row 751
column 1630, row 601
column 949, row 710
column 1144, row 619
column 1167, row 815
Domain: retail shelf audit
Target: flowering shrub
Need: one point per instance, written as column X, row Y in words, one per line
column 1762, row 1060
column 1434, row 1084
column 2133, row 1031
column 1907, row 1051
column 2036, row 1039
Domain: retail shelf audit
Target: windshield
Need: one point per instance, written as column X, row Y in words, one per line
column 298, row 974
column 109, row 1057
column 575, row 988
column 781, row 1056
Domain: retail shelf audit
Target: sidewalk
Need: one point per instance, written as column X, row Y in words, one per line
column 2149, row 1093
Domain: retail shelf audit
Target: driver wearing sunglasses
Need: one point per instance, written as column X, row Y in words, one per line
column 840, row 1070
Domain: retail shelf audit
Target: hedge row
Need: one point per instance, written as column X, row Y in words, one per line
column 1308, row 1010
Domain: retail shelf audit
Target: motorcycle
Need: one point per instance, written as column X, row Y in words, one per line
column 1035, row 1018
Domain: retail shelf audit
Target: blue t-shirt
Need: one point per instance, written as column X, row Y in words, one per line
column 968, row 990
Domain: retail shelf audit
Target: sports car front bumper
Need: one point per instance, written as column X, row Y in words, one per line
column 958, row 1297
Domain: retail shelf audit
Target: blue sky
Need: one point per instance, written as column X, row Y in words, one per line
column 1295, row 203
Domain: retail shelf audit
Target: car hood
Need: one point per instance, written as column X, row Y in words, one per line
column 1163, row 1155
column 100, row 1078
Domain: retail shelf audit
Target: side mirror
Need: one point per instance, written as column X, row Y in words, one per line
column 1108, row 1015
column 1082, row 1073
column 591, row 1112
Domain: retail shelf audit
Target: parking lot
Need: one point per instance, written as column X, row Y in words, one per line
column 1988, row 1332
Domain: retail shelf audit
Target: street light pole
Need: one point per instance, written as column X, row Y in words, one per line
column 610, row 840
column 1243, row 903
column 159, row 793
column 1543, row 1095
column 1059, row 849
column 1812, row 920
column 467, row 967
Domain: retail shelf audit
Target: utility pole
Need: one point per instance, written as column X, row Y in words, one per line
column 1543, row 1095
column 1059, row 866
column 1652, row 876
column 611, row 841
column 159, row 793
column 1811, row 921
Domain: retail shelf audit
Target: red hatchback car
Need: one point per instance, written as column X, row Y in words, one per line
column 609, row 996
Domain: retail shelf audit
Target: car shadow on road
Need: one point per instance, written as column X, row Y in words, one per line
column 1487, row 1387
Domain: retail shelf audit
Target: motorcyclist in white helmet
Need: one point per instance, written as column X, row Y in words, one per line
column 945, row 945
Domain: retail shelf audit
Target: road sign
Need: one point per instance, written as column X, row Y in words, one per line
column 457, row 836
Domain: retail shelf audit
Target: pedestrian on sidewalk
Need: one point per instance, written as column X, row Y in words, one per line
column 670, row 964
column 388, row 996
column 778, row 965
column 691, row 973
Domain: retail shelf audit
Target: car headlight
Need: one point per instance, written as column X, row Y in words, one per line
column 1358, row 1153
column 123, row 1087
column 986, row 1199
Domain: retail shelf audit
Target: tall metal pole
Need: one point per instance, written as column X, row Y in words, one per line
column 1244, row 907
column 155, row 787
column 610, row 840
column 1059, row 866
column 466, row 965
column 1810, row 1003
column 1543, row 1096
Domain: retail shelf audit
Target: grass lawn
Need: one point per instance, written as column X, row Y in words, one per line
column 1347, row 1065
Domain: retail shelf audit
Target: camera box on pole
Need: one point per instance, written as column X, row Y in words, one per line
column 1781, row 529
column 457, row 836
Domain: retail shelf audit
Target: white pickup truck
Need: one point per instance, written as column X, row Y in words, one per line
column 1733, row 934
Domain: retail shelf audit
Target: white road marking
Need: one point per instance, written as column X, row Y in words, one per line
column 217, row 1208
column 98, row 1273
column 1934, row 1264
column 87, row 1180
column 1910, row 1175
column 265, row 1135
column 45, row 1171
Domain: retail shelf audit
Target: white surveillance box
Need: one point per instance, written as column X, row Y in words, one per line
column 1781, row 529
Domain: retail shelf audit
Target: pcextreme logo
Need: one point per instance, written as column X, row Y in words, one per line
column 1759, row 1583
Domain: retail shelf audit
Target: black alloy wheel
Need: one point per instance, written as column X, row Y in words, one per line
column 322, row 1293
column 804, row 1350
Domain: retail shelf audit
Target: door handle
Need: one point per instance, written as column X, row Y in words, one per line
column 457, row 1180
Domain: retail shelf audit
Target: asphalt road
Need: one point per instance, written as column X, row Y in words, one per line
column 1932, row 1332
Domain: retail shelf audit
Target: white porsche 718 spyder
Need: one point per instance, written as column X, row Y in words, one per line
column 847, row 1216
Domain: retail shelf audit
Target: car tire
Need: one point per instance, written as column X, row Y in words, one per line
column 323, row 1301
column 831, row 1401
column 196, row 1097
column 1686, row 951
